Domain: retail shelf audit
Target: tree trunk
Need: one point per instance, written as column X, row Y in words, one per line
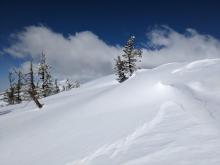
column 35, row 100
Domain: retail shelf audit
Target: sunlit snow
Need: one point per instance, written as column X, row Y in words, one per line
column 168, row 115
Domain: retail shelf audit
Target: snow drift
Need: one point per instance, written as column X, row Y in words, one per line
column 167, row 115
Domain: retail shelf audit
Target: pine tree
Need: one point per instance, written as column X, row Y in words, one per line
column 29, row 88
column 56, row 87
column 77, row 84
column 130, row 56
column 32, row 89
column 13, row 94
column 5, row 96
column 63, row 88
column 10, row 93
column 29, row 85
column 18, row 87
column 30, row 81
column 120, row 69
column 68, row 84
column 45, row 77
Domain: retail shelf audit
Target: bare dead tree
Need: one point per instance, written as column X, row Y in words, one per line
column 30, row 80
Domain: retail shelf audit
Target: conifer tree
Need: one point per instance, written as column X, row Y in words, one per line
column 45, row 77
column 63, row 88
column 31, row 78
column 56, row 87
column 32, row 89
column 130, row 56
column 18, row 87
column 68, row 84
column 6, row 96
column 10, row 93
column 28, row 88
column 77, row 84
column 120, row 69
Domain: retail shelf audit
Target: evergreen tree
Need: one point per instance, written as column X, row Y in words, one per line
column 9, row 95
column 56, row 87
column 30, row 81
column 45, row 77
column 69, row 84
column 120, row 70
column 18, row 87
column 11, row 90
column 77, row 84
column 29, row 84
column 29, row 88
column 6, row 96
column 17, row 90
column 63, row 88
column 32, row 89
column 130, row 56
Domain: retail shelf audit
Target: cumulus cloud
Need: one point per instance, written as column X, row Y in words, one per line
column 80, row 56
column 166, row 45
column 85, row 56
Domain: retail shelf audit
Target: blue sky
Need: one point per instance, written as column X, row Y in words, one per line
column 111, row 21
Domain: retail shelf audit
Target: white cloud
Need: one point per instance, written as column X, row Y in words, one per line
column 80, row 56
column 177, row 47
column 84, row 56
column 25, row 67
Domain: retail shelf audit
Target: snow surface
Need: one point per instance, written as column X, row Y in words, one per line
column 169, row 115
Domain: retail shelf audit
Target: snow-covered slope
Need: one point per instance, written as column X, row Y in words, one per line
column 169, row 115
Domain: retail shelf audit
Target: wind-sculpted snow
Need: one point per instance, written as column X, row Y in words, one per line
column 166, row 115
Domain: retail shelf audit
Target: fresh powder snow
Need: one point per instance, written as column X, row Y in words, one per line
column 168, row 115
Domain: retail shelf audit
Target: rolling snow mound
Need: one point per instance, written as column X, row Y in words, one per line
column 166, row 115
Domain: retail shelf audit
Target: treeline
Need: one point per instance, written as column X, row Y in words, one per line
column 34, row 84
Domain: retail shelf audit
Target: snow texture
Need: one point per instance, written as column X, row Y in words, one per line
column 166, row 115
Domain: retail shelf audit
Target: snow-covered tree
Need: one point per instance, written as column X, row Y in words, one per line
column 9, row 95
column 126, row 66
column 71, row 84
column 120, row 69
column 56, row 87
column 12, row 95
column 131, row 56
column 68, row 84
column 32, row 91
column 46, row 88
column 6, row 97
column 77, row 84
column 63, row 88
column 29, row 89
column 18, row 87
column 30, row 80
